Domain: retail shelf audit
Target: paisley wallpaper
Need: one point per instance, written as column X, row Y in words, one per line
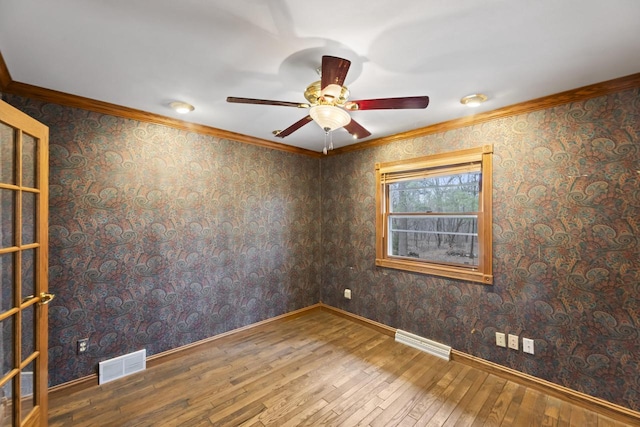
column 161, row 237
column 566, row 209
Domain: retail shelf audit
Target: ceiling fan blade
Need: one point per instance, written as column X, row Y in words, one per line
column 388, row 103
column 294, row 127
column 356, row 129
column 266, row 102
column 334, row 71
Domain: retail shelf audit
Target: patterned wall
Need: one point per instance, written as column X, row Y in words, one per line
column 161, row 237
column 566, row 209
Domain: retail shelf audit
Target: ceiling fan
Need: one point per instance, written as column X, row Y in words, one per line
column 329, row 103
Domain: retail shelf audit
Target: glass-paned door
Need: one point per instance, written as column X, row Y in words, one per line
column 24, row 151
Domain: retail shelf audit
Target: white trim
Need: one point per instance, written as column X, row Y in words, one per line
column 432, row 347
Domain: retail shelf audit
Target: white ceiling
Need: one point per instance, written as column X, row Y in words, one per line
column 144, row 54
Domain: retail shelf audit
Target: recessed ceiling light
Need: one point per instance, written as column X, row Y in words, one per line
column 473, row 100
column 182, row 107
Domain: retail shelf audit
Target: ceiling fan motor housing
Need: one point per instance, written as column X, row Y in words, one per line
column 315, row 96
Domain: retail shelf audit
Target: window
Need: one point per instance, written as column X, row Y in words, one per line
column 434, row 215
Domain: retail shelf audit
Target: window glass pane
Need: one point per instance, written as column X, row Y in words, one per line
column 6, row 410
column 6, row 341
column 450, row 239
column 27, row 386
column 7, row 154
column 28, row 273
column 28, row 332
column 448, row 193
column 28, row 218
column 6, row 273
column 28, row 161
column 7, row 212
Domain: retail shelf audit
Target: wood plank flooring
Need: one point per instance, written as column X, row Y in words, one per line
column 318, row 369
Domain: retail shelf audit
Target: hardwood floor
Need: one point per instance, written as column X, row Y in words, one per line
column 314, row 370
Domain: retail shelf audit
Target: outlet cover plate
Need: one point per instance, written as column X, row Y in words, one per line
column 527, row 345
column 83, row 344
column 513, row 342
column 347, row 293
column 501, row 339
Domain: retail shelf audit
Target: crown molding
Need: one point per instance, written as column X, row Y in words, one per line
column 48, row 95
column 574, row 95
column 7, row 85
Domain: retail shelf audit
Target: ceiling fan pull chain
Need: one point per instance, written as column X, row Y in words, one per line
column 331, row 141
column 324, row 150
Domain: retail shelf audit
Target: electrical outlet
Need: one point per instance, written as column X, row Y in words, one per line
column 501, row 339
column 513, row 342
column 347, row 293
column 83, row 344
column 527, row 345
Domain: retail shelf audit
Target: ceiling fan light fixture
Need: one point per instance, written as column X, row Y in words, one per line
column 182, row 107
column 331, row 92
column 329, row 117
column 473, row 100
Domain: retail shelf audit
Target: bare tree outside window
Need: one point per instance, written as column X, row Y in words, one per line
column 418, row 228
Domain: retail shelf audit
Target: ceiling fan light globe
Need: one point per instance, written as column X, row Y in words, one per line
column 328, row 116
